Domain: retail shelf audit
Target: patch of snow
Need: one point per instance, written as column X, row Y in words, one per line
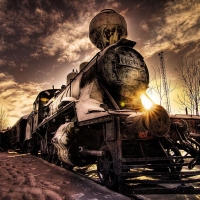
column 61, row 139
column 77, row 196
column 88, row 108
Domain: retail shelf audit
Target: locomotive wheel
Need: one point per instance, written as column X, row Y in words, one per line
column 49, row 152
column 175, row 152
column 33, row 145
column 43, row 149
column 105, row 169
column 76, row 157
column 55, row 159
column 34, row 152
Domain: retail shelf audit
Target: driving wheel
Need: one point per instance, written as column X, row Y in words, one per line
column 105, row 169
column 55, row 159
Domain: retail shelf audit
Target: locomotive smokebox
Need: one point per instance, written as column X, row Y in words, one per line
column 107, row 28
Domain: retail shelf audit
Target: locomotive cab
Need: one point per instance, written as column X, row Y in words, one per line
column 38, row 106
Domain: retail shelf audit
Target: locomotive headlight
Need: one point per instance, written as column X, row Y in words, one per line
column 146, row 101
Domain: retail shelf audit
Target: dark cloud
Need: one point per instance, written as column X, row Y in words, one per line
column 35, row 31
column 26, row 23
column 42, row 41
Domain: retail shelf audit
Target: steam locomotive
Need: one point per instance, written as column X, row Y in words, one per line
column 104, row 116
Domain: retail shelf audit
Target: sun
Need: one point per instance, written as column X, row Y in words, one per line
column 146, row 101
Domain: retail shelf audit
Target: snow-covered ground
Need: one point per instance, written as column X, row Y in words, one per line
column 25, row 177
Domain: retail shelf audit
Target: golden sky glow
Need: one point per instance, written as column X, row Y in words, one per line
column 147, row 102
column 42, row 42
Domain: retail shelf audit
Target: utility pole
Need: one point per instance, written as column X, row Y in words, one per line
column 164, row 81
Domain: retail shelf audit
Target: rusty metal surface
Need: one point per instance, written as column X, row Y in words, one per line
column 124, row 70
column 107, row 28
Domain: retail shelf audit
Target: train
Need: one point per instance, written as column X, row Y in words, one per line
column 104, row 116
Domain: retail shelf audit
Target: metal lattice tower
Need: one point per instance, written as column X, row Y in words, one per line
column 164, row 81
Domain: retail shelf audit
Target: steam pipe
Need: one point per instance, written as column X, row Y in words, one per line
column 85, row 152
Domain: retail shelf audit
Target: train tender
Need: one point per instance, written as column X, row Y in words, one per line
column 103, row 116
column 14, row 138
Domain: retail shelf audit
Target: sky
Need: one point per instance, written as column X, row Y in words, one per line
column 41, row 41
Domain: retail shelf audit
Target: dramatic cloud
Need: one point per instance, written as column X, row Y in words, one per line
column 42, row 41
column 17, row 99
column 72, row 36
column 34, row 33
column 69, row 41
column 176, row 29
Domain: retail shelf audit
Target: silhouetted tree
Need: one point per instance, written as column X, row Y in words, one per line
column 189, row 74
column 3, row 119
column 156, row 85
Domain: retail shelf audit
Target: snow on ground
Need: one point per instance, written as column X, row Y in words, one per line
column 20, row 179
column 25, row 177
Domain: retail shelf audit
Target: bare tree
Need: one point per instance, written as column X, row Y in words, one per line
column 189, row 74
column 157, row 86
column 3, row 119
